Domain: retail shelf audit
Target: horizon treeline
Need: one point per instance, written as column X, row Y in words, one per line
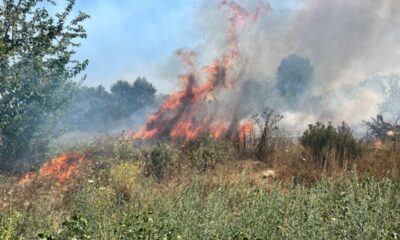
column 96, row 109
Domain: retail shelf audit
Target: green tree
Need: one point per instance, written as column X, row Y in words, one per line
column 36, row 72
column 294, row 78
column 144, row 91
column 89, row 111
column 129, row 98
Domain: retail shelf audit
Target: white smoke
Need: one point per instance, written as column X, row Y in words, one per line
column 347, row 42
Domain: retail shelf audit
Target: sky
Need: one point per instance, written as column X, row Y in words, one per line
column 131, row 38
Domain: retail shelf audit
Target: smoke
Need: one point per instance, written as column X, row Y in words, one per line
column 390, row 85
column 346, row 42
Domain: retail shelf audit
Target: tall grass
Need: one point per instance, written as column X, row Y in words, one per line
column 341, row 209
column 119, row 195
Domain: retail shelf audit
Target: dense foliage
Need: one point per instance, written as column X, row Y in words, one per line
column 36, row 68
column 326, row 140
column 96, row 109
column 129, row 98
column 329, row 210
column 294, row 78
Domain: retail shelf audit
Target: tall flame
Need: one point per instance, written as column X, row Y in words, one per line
column 192, row 111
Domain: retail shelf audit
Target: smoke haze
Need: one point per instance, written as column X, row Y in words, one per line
column 347, row 42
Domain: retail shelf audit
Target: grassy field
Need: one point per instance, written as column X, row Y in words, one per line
column 205, row 190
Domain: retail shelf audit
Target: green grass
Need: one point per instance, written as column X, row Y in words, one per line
column 343, row 209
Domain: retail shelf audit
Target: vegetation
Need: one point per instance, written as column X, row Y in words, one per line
column 382, row 130
column 323, row 141
column 36, row 68
column 161, row 158
column 97, row 110
column 113, row 197
column 252, row 184
column 294, row 78
column 267, row 124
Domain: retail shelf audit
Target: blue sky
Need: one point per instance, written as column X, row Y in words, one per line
column 128, row 38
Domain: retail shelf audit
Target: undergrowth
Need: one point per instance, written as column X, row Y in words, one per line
column 204, row 190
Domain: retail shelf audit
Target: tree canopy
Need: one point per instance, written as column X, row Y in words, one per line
column 94, row 109
column 294, row 77
column 37, row 69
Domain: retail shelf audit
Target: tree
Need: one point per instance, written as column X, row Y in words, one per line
column 94, row 109
column 294, row 78
column 129, row 98
column 144, row 92
column 89, row 111
column 36, row 74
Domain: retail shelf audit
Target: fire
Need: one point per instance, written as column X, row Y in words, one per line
column 27, row 178
column 195, row 109
column 218, row 129
column 60, row 168
column 245, row 129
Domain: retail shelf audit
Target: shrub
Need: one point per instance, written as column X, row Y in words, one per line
column 75, row 228
column 210, row 152
column 124, row 178
column 267, row 124
column 144, row 224
column 323, row 141
column 8, row 226
column 125, row 151
column 161, row 157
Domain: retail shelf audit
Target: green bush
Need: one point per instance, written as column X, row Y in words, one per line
column 144, row 224
column 8, row 226
column 126, row 151
column 161, row 157
column 75, row 228
column 210, row 152
column 124, row 178
column 325, row 141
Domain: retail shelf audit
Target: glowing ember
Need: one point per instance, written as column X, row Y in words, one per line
column 60, row 168
column 190, row 112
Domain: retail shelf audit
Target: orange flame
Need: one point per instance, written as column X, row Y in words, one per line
column 60, row 169
column 189, row 113
column 244, row 130
column 27, row 178
column 218, row 129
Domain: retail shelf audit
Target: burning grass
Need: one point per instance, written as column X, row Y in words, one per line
column 59, row 169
